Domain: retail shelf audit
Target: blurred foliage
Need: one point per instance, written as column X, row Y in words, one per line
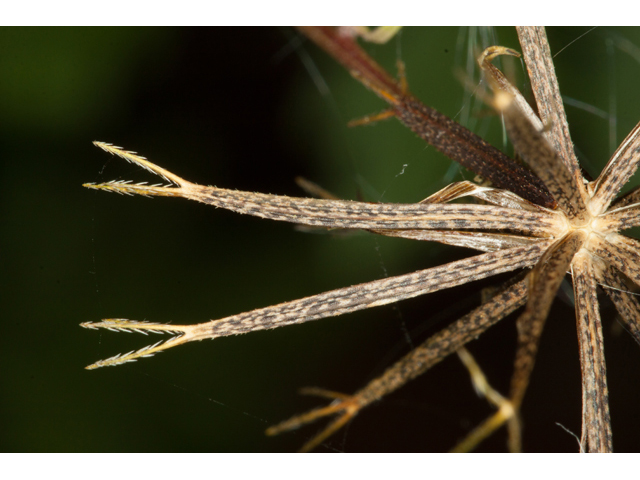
column 237, row 108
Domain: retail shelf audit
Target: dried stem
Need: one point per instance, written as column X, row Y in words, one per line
column 544, row 282
column 596, row 422
column 449, row 137
column 332, row 303
column 618, row 171
column 544, row 83
column 336, row 213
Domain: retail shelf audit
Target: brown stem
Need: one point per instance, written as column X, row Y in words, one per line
column 447, row 136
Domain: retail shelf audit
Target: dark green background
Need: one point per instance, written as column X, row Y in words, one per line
column 236, row 108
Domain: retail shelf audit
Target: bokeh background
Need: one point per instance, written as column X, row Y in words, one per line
column 252, row 109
